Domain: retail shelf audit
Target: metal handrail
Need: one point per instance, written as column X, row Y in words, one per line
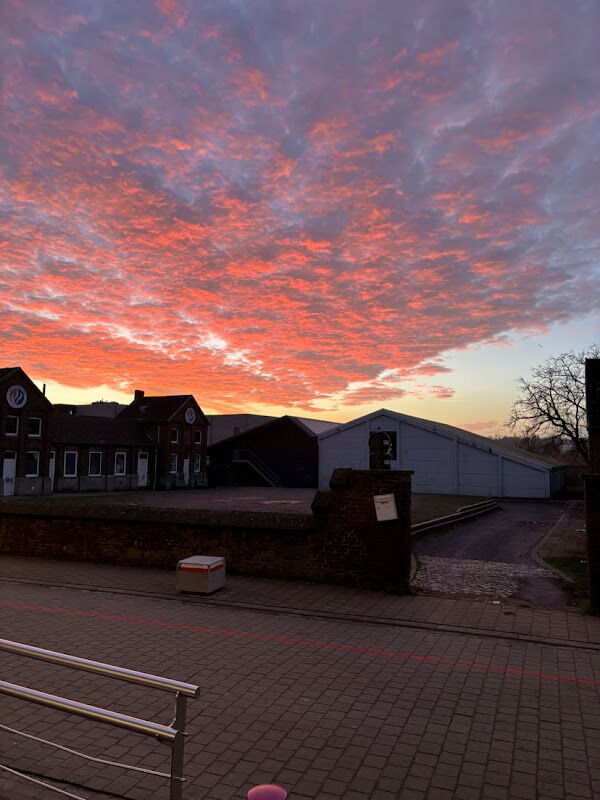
column 172, row 735
column 111, row 671
column 162, row 732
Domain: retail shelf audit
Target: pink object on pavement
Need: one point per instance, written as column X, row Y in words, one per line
column 267, row 791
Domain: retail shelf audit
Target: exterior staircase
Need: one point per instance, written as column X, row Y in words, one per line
column 258, row 465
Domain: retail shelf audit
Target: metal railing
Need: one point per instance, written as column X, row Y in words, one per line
column 172, row 735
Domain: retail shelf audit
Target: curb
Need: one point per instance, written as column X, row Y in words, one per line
column 463, row 513
column 414, row 568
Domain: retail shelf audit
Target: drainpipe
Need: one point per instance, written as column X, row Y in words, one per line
column 156, row 458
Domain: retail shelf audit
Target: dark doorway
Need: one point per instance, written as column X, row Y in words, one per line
column 382, row 449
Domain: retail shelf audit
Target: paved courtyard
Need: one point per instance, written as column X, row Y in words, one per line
column 494, row 555
column 231, row 498
column 331, row 692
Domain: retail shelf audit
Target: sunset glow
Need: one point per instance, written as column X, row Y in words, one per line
column 303, row 206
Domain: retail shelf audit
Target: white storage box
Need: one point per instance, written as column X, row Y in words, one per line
column 201, row 574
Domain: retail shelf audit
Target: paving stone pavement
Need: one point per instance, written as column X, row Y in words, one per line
column 513, row 617
column 328, row 707
column 454, row 576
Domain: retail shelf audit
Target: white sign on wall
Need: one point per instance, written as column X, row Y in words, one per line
column 16, row 396
column 385, row 507
column 190, row 416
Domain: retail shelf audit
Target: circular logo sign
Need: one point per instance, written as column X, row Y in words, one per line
column 16, row 396
column 190, row 415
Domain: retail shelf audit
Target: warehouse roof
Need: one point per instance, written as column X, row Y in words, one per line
column 312, row 427
column 315, row 426
column 474, row 439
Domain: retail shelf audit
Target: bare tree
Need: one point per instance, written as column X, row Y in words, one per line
column 552, row 400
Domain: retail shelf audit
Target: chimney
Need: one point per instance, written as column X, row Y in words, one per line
column 138, row 394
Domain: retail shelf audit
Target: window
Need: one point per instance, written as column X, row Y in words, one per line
column 70, row 470
column 174, row 435
column 34, row 426
column 95, row 467
column 196, row 462
column 12, row 426
column 32, row 464
column 173, row 462
column 119, row 463
column 197, row 437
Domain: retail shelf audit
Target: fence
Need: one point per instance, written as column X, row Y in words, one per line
column 172, row 735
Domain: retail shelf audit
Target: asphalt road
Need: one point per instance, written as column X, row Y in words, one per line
column 507, row 536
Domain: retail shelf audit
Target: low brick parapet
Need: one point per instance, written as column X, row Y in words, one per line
column 341, row 542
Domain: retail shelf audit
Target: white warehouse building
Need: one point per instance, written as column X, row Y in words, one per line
column 445, row 459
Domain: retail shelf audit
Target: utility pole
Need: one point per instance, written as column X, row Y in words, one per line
column 592, row 481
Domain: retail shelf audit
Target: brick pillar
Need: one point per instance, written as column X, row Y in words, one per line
column 592, row 482
column 356, row 548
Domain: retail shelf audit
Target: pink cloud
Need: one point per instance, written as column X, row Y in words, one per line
column 259, row 207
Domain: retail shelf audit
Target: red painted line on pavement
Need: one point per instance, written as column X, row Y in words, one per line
column 265, row 637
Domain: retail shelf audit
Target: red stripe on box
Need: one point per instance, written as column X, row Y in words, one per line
column 193, row 569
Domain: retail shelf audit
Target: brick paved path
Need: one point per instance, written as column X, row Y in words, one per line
column 328, row 707
column 513, row 617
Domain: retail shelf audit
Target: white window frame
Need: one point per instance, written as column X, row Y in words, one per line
column 39, row 433
column 67, row 453
column 197, row 435
column 176, row 439
column 171, row 457
column 37, row 464
column 124, row 454
column 12, row 416
column 94, row 453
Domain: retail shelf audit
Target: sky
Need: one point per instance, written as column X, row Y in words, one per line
column 317, row 208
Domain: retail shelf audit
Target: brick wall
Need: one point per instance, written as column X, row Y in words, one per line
column 340, row 543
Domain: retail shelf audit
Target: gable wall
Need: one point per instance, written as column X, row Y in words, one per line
column 347, row 448
column 185, row 448
column 431, row 456
column 441, row 464
column 36, row 405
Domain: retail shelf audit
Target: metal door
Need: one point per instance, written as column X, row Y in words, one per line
column 9, row 470
column 142, row 470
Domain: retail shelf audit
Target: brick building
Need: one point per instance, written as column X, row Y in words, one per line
column 154, row 443
column 179, row 428
column 95, row 454
column 24, row 414
column 281, row 452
